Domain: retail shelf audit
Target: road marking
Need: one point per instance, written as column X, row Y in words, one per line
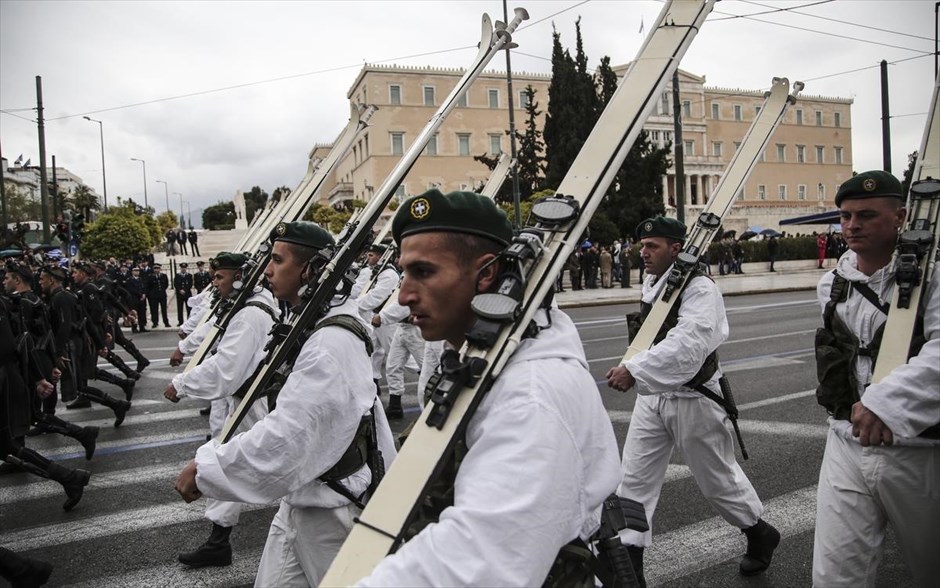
column 737, row 365
column 736, row 309
column 38, row 490
column 243, row 570
column 123, row 445
column 134, row 418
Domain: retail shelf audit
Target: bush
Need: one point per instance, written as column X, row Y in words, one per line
column 802, row 247
column 115, row 235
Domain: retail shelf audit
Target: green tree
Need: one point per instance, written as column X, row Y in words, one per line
column 83, row 201
column 144, row 213
column 21, row 206
column 908, row 173
column 119, row 234
column 166, row 221
column 219, row 217
column 327, row 216
column 254, row 201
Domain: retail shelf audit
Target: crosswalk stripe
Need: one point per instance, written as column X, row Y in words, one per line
column 243, row 570
column 121, row 445
column 39, row 490
column 698, row 546
column 139, row 419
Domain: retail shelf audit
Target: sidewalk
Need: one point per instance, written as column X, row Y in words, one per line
column 790, row 276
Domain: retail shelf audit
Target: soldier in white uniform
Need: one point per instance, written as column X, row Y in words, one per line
column 319, row 415
column 406, row 342
column 882, row 459
column 371, row 302
column 541, row 455
column 237, row 354
column 669, row 413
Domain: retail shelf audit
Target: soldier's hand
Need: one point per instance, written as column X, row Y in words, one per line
column 176, row 358
column 619, row 378
column 869, row 428
column 103, row 352
column 56, row 374
column 186, row 483
column 170, row 394
column 376, row 320
column 108, row 339
column 44, row 389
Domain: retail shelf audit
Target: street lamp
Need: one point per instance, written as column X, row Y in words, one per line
column 144, row 163
column 166, row 192
column 181, row 208
column 104, row 181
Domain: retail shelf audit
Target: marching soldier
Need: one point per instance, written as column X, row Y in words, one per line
column 670, row 413
column 183, row 284
column 882, row 453
column 115, row 299
column 75, row 357
column 405, row 342
column 217, row 380
column 538, row 457
column 305, row 451
column 386, row 279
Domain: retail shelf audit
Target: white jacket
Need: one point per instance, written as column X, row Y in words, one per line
column 908, row 399
column 542, row 458
column 318, row 410
column 372, row 300
column 702, row 327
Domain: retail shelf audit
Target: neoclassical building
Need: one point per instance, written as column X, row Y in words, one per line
column 808, row 157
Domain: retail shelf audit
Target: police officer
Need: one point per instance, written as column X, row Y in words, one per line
column 669, row 413
column 201, row 278
column 135, row 288
column 287, row 454
column 156, row 284
column 183, row 284
column 882, row 453
column 193, row 242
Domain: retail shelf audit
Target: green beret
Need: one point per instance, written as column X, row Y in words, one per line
column 85, row 268
column 302, row 233
column 870, row 184
column 378, row 248
column 457, row 212
column 23, row 270
column 56, row 272
column 228, row 261
column 661, row 226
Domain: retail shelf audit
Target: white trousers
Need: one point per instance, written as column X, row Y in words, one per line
column 861, row 490
column 381, row 339
column 696, row 426
column 302, row 543
column 432, row 359
column 406, row 342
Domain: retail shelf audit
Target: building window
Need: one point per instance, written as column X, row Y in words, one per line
column 799, row 116
column 756, row 111
column 716, row 148
column 819, row 154
column 801, row 154
column 493, row 94
column 689, row 147
column 781, row 153
column 400, row 192
column 761, row 192
column 838, row 151
column 837, row 119
column 429, row 95
column 737, row 112
column 495, row 145
column 431, row 149
column 462, row 101
column 686, row 109
column 667, row 136
column 523, row 99
column 819, row 118
column 801, row 192
column 463, row 143
column 654, row 137
column 664, row 104
column 737, row 145
column 398, row 143
column 716, row 111
column 782, row 191
column 820, row 192
column 740, row 194
column 394, row 94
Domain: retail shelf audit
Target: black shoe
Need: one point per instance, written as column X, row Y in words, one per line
column 128, row 387
column 134, row 376
column 142, row 330
column 636, row 560
column 154, row 326
column 205, row 411
column 120, row 411
column 762, row 539
column 80, row 402
column 73, row 482
column 167, row 325
column 394, row 410
column 88, row 438
column 216, row 551
column 142, row 364
column 28, row 572
column 35, row 431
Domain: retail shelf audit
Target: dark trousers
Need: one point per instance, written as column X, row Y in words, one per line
column 180, row 305
column 194, row 247
column 155, row 304
column 142, row 313
column 183, row 246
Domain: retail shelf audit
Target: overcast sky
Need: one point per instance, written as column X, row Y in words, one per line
column 156, row 74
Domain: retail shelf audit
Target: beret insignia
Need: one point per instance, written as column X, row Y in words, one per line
column 280, row 229
column 869, row 185
column 648, row 227
column 420, row 209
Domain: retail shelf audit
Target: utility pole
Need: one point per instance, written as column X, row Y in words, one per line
column 55, row 191
column 677, row 149
column 512, row 131
column 43, row 187
column 885, row 119
column 3, row 195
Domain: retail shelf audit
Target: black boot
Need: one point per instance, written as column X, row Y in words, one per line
column 23, row 572
column 115, row 360
column 80, row 402
column 87, row 436
column 636, row 559
column 205, row 411
column 120, row 407
column 73, row 481
column 762, row 539
column 142, row 362
column 125, row 384
column 394, row 410
column 216, row 551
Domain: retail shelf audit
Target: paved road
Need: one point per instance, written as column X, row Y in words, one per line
column 131, row 524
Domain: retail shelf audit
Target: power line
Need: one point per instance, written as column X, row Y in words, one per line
column 792, row 8
column 563, row 10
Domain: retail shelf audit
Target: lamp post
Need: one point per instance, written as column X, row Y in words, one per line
column 166, row 192
column 144, row 163
column 104, row 180
column 181, row 209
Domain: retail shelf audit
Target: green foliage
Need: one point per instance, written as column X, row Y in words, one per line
column 219, row 217
column 145, row 214
column 327, row 216
column 909, row 173
column 166, row 221
column 118, row 234
column 83, row 201
column 801, row 247
column 602, row 229
column 637, row 191
column 20, row 206
column 254, row 201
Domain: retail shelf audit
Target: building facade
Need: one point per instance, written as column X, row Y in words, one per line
column 808, row 157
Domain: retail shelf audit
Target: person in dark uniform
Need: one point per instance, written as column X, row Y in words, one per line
column 183, row 284
column 201, row 278
column 115, row 299
column 170, row 242
column 181, row 239
column 193, row 239
column 135, row 288
column 155, row 285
